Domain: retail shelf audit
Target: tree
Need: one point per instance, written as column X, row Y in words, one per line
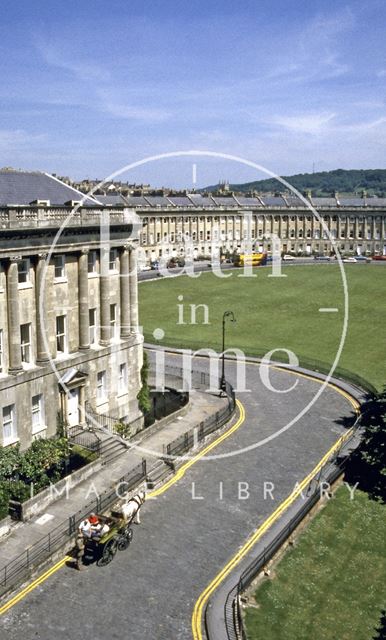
column 144, row 402
column 369, row 461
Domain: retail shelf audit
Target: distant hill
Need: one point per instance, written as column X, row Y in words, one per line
column 322, row 183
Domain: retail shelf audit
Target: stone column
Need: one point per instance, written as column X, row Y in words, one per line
column 84, row 320
column 15, row 365
column 125, row 293
column 347, row 229
column 133, row 286
column 104, row 297
column 356, row 228
column 41, row 286
column 82, row 406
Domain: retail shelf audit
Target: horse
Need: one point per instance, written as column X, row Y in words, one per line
column 130, row 510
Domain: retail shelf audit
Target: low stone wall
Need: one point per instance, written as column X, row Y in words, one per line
column 42, row 500
column 158, row 424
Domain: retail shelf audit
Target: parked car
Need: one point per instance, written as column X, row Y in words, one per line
column 287, row 256
column 350, row 259
column 363, row 259
column 323, row 258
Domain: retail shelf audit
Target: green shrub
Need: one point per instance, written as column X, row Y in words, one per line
column 42, row 463
column 4, row 499
column 9, row 461
column 122, row 429
column 144, row 402
column 19, row 490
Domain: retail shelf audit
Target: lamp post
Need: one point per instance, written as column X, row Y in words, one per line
column 227, row 315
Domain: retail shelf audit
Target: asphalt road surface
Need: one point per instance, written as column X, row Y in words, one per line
column 149, row 591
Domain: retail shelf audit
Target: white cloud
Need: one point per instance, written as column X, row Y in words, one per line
column 127, row 112
column 310, row 123
column 65, row 60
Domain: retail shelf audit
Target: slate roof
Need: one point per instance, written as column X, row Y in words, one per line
column 23, row 187
column 112, row 199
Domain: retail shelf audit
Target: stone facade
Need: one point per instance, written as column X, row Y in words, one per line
column 68, row 321
column 69, row 334
column 359, row 231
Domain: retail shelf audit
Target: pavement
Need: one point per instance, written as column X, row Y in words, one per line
column 190, row 531
column 24, row 534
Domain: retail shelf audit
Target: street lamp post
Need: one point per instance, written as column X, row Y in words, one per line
column 227, row 315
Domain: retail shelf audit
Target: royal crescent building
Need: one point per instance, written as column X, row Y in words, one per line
column 69, row 334
column 355, row 224
column 69, row 338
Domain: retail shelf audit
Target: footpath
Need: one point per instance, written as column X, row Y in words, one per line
column 148, row 446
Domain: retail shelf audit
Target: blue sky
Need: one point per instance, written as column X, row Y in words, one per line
column 88, row 87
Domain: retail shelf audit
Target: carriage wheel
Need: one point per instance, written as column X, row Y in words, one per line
column 109, row 551
column 125, row 539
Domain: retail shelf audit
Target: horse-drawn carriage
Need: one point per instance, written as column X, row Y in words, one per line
column 103, row 547
column 102, row 536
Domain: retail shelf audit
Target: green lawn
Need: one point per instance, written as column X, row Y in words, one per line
column 279, row 312
column 331, row 585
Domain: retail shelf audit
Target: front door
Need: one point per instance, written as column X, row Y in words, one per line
column 73, row 407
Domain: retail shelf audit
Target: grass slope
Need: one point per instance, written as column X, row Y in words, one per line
column 278, row 312
column 322, row 182
column 331, row 585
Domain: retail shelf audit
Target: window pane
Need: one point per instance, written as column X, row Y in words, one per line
column 9, row 425
column 25, row 342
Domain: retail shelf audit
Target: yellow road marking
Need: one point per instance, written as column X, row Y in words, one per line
column 277, row 367
column 181, row 472
column 308, row 376
column 33, row 585
column 205, row 595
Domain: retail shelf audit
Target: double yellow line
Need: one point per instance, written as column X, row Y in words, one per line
column 201, row 602
column 33, row 585
column 180, row 473
column 212, row 586
column 182, row 470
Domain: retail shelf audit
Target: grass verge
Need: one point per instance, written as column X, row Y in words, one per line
column 276, row 313
column 331, row 584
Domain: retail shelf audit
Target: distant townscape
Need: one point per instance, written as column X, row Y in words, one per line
column 356, row 222
column 370, row 182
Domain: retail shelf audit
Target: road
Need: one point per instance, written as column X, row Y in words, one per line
column 205, row 266
column 149, row 591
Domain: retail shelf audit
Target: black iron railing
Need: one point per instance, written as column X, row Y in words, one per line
column 19, row 569
column 328, row 473
column 23, row 565
column 84, row 438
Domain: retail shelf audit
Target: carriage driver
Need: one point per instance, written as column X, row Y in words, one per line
column 91, row 527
